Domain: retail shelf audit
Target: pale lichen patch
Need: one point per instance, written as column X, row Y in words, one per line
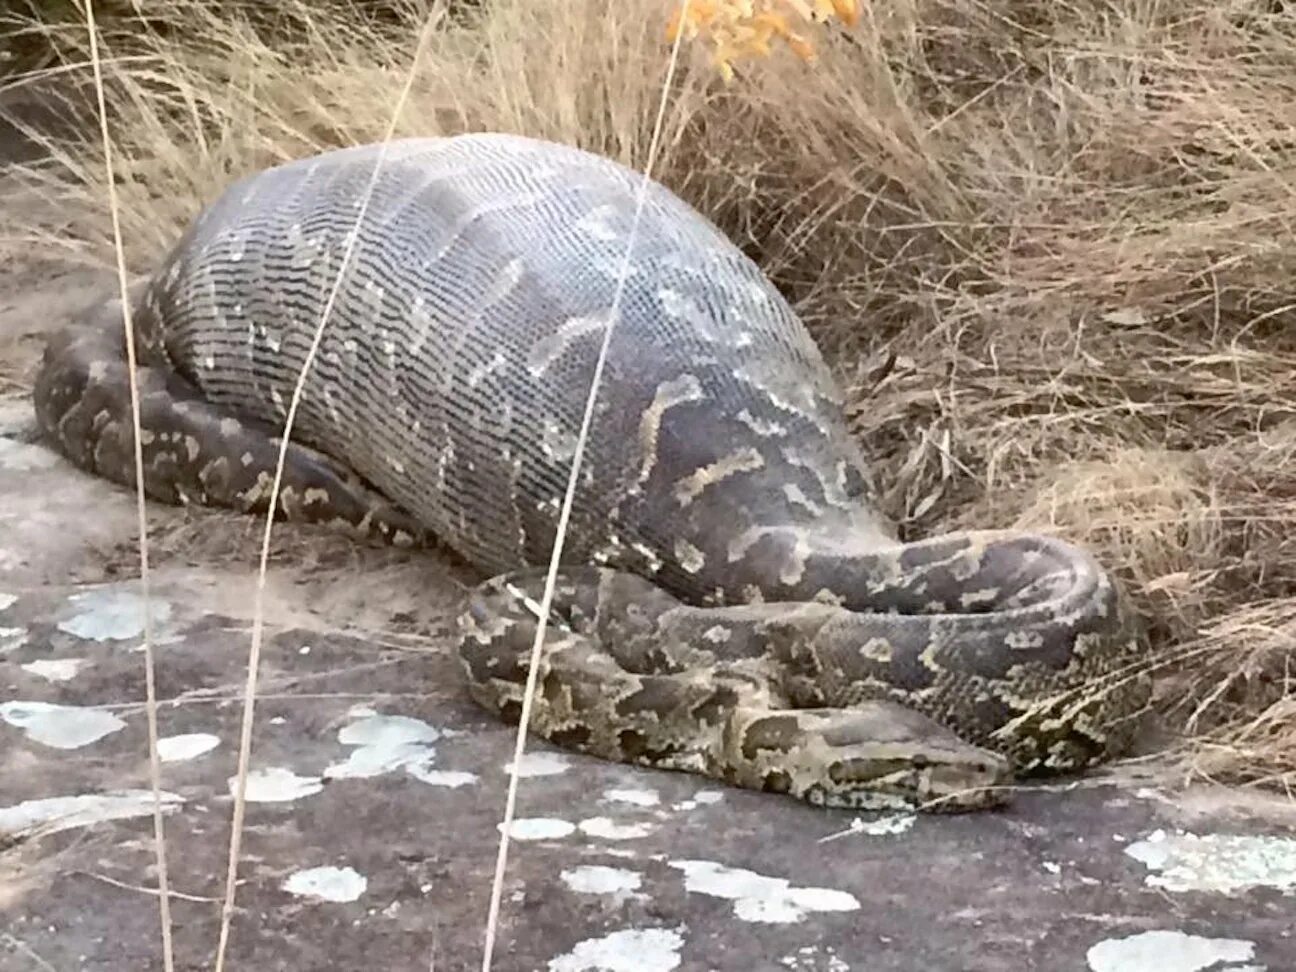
column 179, row 749
column 539, row 828
column 277, row 784
column 636, row 796
column 337, row 884
column 112, row 614
column 540, row 764
column 1223, row 863
column 385, row 743
column 52, row 669
column 60, row 726
column 598, row 879
column 609, row 829
column 628, row 950
column 758, row 898
column 1171, row 951
column 53, row 814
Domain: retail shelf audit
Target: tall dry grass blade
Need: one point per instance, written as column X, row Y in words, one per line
column 150, row 688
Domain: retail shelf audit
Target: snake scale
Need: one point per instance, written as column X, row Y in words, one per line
column 732, row 602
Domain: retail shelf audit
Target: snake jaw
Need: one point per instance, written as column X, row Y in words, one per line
column 932, row 777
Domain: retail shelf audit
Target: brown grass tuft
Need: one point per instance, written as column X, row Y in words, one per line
column 1047, row 245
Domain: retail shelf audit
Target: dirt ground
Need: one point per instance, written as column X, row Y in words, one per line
column 377, row 786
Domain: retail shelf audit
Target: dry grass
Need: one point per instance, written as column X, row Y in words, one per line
column 1048, row 246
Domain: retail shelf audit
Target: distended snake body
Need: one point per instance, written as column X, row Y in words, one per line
column 732, row 602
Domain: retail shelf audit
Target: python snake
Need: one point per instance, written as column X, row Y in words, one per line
column 732, row 602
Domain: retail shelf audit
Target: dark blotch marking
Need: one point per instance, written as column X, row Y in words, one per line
column 573, row 737
column 778, row 733
column 776, row 781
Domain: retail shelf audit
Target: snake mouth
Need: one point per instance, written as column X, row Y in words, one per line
column 914, row 783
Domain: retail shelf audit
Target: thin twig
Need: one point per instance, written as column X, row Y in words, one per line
column 18, row 945
column 140, row 889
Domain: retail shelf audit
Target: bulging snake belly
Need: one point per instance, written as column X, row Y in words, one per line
column 732, row 602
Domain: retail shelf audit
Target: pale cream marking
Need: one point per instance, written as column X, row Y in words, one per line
column 690, row 558
column 331, row 404
column 692, row 486
column 766, row 429
column 443, row 464
column 678, row 391
column 740, row 544
column 465, row 220
column 504, row 282
column 794, row 494
column 833, row 493
column 613, row 268
column 1023, row 640
column 654, row 562
column 514, row 507
column 550, row 349
column 605, row 553
column 314, row 494
column 793, row 569
column 683, row 308
column 803, row 410
column 484, row 369
column 971, row 599
column 877, row 650
column 598, row 223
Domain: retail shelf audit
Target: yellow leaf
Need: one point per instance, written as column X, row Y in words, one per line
column 673, row 25
column 775, row 23
column 801, row 47
column 801, row 7
column 745, row 28
column 848, row 11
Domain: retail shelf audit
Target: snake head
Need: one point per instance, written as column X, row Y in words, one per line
column 876, row 755
column 931, row 779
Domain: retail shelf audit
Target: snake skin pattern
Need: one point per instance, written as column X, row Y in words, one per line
column 732, row 602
